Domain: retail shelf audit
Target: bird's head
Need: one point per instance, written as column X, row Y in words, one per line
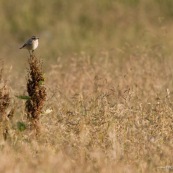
column 34, row 38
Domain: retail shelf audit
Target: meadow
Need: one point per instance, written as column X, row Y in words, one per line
column 109, row 83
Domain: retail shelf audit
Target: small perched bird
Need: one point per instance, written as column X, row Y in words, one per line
column 31, row 44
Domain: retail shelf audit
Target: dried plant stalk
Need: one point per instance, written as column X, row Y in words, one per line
column 4, row 105
column 36, row 91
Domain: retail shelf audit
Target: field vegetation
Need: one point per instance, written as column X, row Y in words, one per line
column 108, row 75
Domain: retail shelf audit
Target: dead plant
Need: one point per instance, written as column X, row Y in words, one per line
column 36, row 92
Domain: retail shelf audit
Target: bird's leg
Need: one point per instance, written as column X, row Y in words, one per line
column 32, row 52
column 29, row 52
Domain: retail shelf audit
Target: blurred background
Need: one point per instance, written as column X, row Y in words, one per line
column 68, row 27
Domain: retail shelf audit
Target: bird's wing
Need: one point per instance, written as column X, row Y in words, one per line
column 29, row 42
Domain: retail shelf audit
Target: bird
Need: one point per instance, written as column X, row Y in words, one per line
column 31, row 44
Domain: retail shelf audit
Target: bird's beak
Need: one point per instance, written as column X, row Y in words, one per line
column 37, row 37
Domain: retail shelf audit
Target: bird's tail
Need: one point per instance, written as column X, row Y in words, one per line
column 22, row 46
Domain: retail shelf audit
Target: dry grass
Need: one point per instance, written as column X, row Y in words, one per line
column 109, row 107
column 108, row 113
column 6, row 112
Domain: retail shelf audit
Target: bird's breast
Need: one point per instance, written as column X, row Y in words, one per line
column 35, row 44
